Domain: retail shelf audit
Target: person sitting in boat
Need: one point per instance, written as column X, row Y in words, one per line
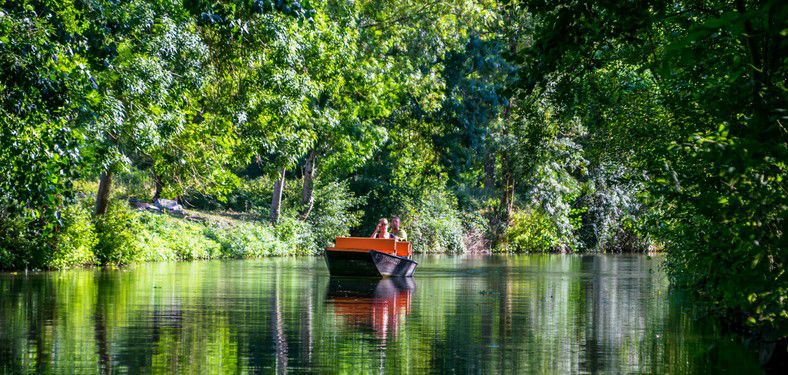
column 398, row 232
column 382, row 230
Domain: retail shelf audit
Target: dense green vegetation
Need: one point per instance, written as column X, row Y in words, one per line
column 504, row 125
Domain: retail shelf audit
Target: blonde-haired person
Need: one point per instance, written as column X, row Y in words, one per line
column 382, row 230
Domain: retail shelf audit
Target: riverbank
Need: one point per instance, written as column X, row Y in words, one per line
column 127, row 235
column 134, row 231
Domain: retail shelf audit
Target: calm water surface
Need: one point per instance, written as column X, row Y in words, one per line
column 508, row 314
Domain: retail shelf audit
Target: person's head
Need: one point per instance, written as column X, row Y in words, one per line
column 383, row 224
column 395, row 223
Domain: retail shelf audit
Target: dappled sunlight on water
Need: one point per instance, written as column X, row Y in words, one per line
column 537, row 313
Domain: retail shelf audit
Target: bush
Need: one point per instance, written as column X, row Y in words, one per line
column 6, row 258
column 433, row 224
column 333, row 215
column 609, row 212
column 63, row 239
column 294, row 237
column 244, row 240
column 22, row 243
column 251, row 196
column 117, row 231
column 73, row 244
column 531, row 231
column 167, row 238
column 133, row 183
column 743, row 282
column 476, row 230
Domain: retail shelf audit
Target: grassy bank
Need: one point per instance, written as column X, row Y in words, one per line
column 127, row 235
column 133, row 233
column 230, row 228
column 235, row 227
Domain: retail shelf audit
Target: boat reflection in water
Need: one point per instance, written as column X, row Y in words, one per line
column 380, row 304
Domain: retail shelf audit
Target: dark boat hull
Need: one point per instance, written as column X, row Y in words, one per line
column 368, row 264
column 363, row 290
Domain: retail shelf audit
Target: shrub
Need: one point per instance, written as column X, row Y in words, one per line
column 133, row 183
column 85, row 188
column 167, row 238
column 117, row 231
column 251, row 195
column 245, row 240
column 531, row 231
column 609, row 211
column 64, row 238
column 742, row 282
column 333, row 215
column 22, row 244
column 476, row 230
column 293, row 237
column 73, row 244
column 434, row 224
column 6, row 258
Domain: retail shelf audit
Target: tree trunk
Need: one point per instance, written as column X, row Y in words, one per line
column 276, row 201
column 159, row 187
column 507, row 194
column 308, row 192
column 102, row 198
column 507, row 170
column 502, row 215
column 489, row 173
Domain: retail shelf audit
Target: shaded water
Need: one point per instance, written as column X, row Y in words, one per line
column 512, row 314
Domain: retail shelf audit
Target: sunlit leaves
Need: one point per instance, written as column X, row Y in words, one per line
column 687, row 96
column 41, row 74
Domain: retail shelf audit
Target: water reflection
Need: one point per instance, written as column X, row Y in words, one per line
column 381, row 305
column 523, row 314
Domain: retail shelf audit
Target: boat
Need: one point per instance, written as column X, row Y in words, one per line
column 370, row 257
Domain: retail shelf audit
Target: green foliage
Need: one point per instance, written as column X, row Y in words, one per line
column 610, row 217
column 21, row 245
column 471, row 112
column 118, row 230
column 293, row 237
column 532, row 231
column 251, row 195
column 247, row 240
column 433, row 224
column 131, row 183
column 690, row 99
column 75, row 241
column 29, row 244
column 403, row 171
column 334, row 214
column 41, row 71
column 166, row 238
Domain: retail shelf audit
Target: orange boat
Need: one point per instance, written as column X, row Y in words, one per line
column 370, row 257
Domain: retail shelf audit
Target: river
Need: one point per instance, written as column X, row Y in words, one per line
column 482, row 314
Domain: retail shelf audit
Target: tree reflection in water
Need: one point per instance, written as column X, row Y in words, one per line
column 512, row 314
